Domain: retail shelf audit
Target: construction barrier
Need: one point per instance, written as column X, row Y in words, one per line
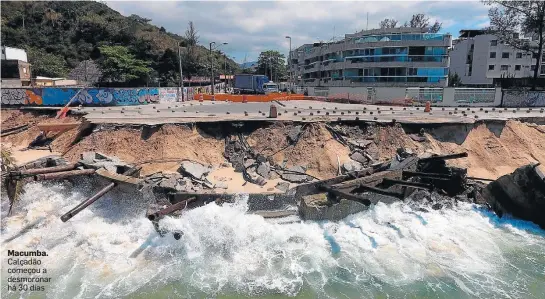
column 251, row 98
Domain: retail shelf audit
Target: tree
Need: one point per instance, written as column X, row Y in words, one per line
column 508, row 18
column 46, row 64
column 167, row 68
column 118, row 65
column 388, row 23
column 191, row 35
column 272, row 64
column 421, row 21
column 454, row 80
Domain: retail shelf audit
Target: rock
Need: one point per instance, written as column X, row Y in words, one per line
column 293, row 134
column 169, row 183
column 294, row 177
column 361, row 143
column 194, row 169
column 249, row 162
column 357, row 156
column 318, row 207
column 261, row 159
column 273, row 175
column 352, row 166
column 88, row 157
column 521, row 194
column 263, row 170
column 283, row 186
column 110, row 168
column 417, row 138
column 221, row 185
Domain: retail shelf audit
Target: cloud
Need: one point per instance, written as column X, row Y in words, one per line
column 253, row 26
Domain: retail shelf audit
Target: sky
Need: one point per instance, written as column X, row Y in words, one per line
column 250, row 27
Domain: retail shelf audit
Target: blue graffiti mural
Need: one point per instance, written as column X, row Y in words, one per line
column 100, row 96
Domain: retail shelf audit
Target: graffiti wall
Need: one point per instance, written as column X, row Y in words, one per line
column 20, row 96
column 168, row 94
column 517, row 98
column 50, row 96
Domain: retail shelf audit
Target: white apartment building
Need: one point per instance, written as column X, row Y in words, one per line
column 478, row 58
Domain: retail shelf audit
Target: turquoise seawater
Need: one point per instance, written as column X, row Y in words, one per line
column 390, row 251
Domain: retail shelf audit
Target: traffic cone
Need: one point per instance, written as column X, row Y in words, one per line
column 201, row 97
column 244, row 99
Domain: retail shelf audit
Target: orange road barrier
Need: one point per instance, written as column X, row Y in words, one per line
column 251, row 98
column 428, row 107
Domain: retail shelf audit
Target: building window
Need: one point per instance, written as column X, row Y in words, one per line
column 517, row 67
column 491, row 67
column 493, row 43
column 519, row 55
column 24, row 70
column 505, row 55
column 534, row 55
column 533, row 67
column 504, row 67
column 492, row 54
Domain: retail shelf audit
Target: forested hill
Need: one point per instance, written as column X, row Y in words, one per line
column 59, row 35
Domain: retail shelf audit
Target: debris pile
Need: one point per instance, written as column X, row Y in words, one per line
column 256, row 167
column 398, row 179
column 95, row 160
column 191, row 177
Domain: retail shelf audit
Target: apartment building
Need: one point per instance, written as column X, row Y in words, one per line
column 379, row 57
column 478, row 58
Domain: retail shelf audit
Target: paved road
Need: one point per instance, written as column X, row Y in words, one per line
column 305, row 111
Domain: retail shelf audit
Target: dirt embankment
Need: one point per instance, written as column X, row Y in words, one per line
column 168, row 142
column 494, row 149
column 14, row 118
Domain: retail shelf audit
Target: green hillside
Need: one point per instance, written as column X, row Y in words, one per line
column 59, row 35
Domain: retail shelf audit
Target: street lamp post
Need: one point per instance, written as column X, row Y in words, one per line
column 212, row 65
column 289, row 61
column 225, row 72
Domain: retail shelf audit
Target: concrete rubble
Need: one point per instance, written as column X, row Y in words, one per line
column 194, row 169
column 95, row 160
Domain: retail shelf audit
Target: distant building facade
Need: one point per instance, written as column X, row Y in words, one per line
column 15, row 68
column 478, row 58
column 379, row 57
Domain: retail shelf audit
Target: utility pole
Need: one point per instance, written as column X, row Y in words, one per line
column 211, row 68
column 181, row 72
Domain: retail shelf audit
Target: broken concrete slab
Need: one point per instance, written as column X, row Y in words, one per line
column 264, row 170
column 292, row 176
column 194, row 169
column 249, row 162
column 359, row 157
column 319, row 207
column 352, row 166
column 283, row 186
